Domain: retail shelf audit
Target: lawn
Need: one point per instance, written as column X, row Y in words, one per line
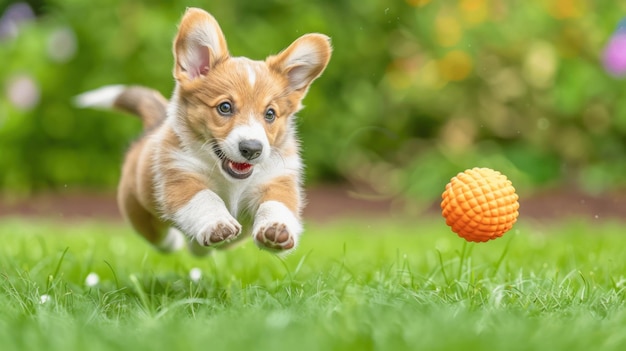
column 385, row 285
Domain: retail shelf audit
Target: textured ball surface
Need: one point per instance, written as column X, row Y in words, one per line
column 480, row 204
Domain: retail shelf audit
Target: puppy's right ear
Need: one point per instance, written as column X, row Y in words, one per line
column 199, row 44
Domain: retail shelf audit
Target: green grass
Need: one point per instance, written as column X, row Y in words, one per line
column 377, row 286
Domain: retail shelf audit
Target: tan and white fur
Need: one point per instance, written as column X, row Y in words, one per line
column 223, row 149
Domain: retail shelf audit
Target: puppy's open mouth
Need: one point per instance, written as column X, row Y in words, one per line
column 234, row 169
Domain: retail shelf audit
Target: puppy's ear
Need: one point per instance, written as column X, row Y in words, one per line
column 199, row 44
column 303, row 61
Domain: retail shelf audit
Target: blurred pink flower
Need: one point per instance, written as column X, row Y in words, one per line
column 614, row 58
column 23, row 91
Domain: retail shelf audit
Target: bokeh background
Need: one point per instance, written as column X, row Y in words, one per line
column 416, row 91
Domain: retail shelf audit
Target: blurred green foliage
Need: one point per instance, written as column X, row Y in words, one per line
column 416, row 91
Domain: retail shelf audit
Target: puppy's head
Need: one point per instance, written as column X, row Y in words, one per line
column 240, row 107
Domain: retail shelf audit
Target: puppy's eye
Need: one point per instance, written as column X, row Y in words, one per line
column 270, row 115
column 225, row 108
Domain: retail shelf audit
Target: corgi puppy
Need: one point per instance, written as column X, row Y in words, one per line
column 224, row 149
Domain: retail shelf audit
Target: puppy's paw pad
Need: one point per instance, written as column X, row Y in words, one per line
column 275, row 237
column 221, row 232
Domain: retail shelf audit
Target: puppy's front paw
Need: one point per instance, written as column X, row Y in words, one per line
column 206, row 219
column 276, row 236
column 276, row 228
column 219, row 231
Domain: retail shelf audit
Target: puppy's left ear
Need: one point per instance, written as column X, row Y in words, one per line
column 303, row 61
column 199, row 44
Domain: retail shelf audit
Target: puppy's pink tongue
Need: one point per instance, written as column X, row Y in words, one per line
column 240, row 167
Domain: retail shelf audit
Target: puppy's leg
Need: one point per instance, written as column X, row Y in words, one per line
column 195, row 210
column 134, row 196
column 277, row 224
column 149, row 226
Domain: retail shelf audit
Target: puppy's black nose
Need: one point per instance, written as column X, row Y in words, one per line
column 250, row 149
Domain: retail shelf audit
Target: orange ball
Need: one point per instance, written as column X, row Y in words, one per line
column 480, row 204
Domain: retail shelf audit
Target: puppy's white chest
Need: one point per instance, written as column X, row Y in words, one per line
column 236, row 197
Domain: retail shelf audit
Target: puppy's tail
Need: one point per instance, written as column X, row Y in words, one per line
column 146, row 103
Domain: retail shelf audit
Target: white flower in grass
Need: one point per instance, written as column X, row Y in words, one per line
column 92, row 279
column 195, row 274
column 44, row 298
